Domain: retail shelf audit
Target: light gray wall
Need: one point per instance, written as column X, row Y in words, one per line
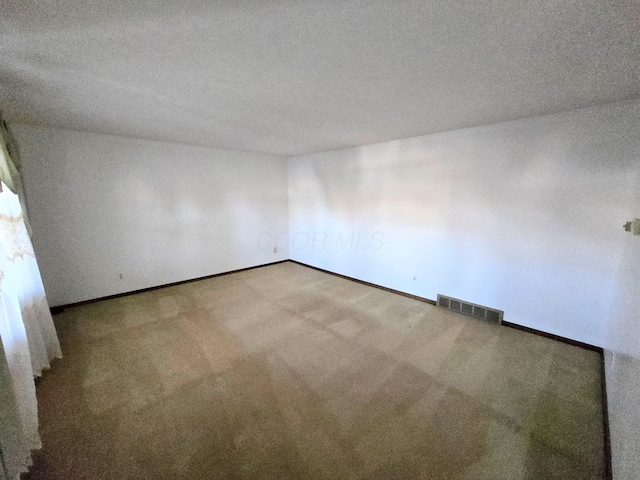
column 524, row 216
column 156, row 212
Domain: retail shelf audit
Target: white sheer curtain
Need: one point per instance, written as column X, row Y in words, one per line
column 28, row 340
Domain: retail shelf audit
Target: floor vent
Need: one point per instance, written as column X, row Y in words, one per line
column 478, row 311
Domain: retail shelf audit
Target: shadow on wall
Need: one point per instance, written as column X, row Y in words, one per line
column 211, row 224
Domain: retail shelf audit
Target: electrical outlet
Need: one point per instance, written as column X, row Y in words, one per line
column 275, row 249
column 414, row 279
column 119, row 276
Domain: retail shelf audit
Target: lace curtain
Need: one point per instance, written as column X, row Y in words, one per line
column 28, row 341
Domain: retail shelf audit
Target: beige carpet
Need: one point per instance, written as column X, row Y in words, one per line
column 285, row 372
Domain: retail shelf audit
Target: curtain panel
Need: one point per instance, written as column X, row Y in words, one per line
column 10, row 168
column 28, row 340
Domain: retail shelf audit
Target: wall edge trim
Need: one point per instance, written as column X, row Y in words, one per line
column 61, row 308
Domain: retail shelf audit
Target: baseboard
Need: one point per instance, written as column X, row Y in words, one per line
column 61, row 308
column 553, row 336
column 397, row 292
column 608, row 473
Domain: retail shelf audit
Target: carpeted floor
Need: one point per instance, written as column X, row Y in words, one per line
column 285, row 372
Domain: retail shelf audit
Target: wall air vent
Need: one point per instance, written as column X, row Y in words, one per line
column 478, row 311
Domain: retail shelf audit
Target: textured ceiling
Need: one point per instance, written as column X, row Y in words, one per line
column 293, row 77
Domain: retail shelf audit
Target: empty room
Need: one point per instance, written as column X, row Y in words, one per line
column 320, row 240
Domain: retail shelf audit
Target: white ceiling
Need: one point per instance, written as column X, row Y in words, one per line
column 293, row 77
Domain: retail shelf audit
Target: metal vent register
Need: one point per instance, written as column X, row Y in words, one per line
column 478, row 311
